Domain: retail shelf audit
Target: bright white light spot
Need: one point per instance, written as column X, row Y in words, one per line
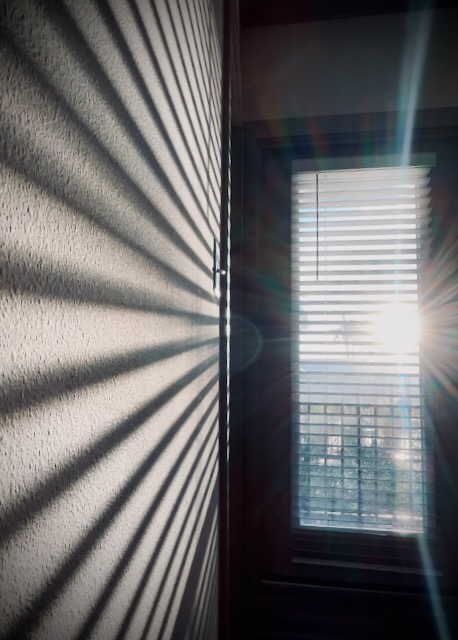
column 401, row 456
column 397, row 328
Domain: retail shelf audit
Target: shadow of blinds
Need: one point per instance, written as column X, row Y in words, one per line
column 110, row 162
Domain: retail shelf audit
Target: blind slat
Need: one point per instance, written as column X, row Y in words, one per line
column 357, row 394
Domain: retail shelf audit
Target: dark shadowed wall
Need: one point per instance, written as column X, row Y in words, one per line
column 351, row 66
column 327, row 89
column 110, row 163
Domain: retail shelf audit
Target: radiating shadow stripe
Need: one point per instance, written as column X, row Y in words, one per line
column 142, row 529
column 206, row 609
column 112, row 23
column 207, row 576
column 214, row 132
column 100, row 151
column 210, row 489
column 147, row 43
column 203, row 66
column 79, row 555
column 200, row 35
column 212, row 630
column 165, row 617
column 192, row 56
column 199, row 73
column 185, row 61
column 126, row 120
column 205, row 571
column 211, row 56
column 43, row 281
column 211, row 99
column 61, row 480
column 196, row 574
column 209, row 631
column 67, row 379
column 206, row 587
column 138, row 249
column 211, row 485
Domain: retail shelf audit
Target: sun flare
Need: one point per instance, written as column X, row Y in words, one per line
column 397, row 328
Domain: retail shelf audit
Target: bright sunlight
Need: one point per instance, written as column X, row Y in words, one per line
column 397, row 328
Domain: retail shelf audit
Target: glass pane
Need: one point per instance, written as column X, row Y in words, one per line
column 358, row 424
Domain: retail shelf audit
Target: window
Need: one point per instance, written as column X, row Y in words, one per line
column 333, row 579
column 358, row 420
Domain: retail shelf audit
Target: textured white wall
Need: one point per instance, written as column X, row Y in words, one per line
column 110, row 164
column 348, row 66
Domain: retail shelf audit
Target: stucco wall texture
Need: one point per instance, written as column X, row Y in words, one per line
column 110, row 163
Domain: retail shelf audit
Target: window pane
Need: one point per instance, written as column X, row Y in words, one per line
column 358, row 425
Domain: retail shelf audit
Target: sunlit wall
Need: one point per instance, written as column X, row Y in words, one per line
column 110, row 163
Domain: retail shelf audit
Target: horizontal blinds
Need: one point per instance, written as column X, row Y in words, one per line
column 358, row 425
